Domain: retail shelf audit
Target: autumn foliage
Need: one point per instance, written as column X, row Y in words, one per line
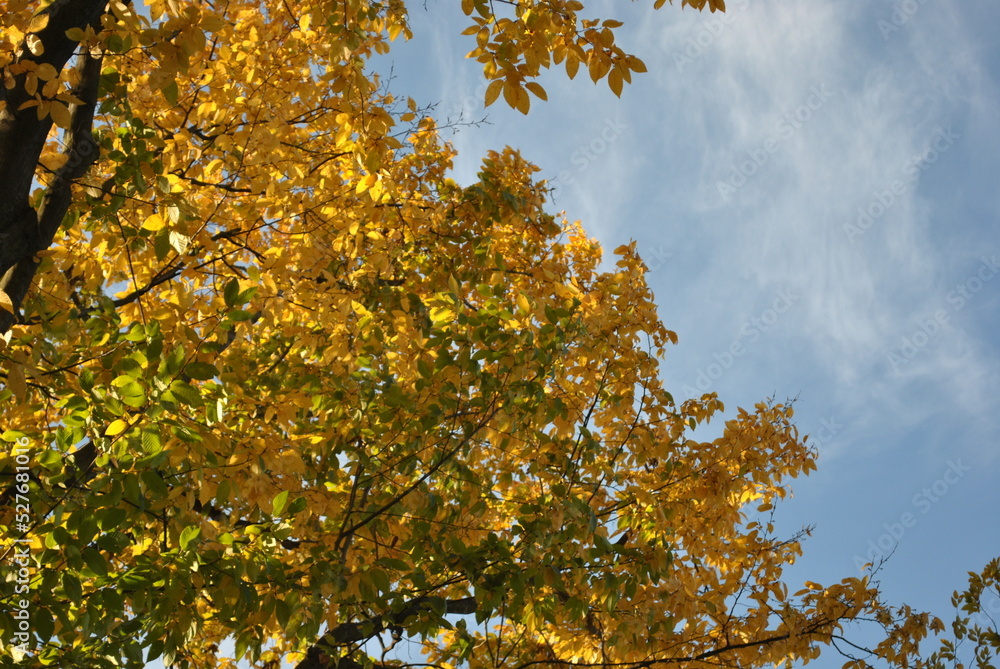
column 287, row 388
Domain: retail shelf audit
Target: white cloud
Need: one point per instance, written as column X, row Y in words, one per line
column 796, row 175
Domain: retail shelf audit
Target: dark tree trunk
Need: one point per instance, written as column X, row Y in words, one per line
column 24, row 230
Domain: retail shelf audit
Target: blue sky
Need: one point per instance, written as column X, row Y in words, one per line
column 813, row 186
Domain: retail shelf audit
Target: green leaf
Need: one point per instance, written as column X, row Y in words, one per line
column 154, row 482
column 134, row 579
column 282, row 612
column 247, row 295
column 87, row 380
column 95, row 561
column 278, row 503
column 201, row 371
column 155, row 650
column 111, row 518
column 44, row 624
column 49, row 459
column 72, row 586
column 242, row 643
column 161, row 243
column 393, row 563
column 135, row 334
column 188, row 535
column 183, row 392
column 170, row 92
column 297, row 506
column 131, row 393
column 231, row 293
column 151, row 442
column 380, row 580
column 113, row 542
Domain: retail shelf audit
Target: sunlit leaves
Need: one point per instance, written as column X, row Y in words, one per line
column 116, row 427
column 516, row 49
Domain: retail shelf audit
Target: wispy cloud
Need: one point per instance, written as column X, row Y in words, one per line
column 878, row 136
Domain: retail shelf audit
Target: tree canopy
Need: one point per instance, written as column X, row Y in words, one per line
column 272, row 377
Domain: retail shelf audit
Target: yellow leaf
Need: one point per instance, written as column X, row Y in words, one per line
column 598, row 66
column 153, row 222
column 45, row 72
column 615, row 82
column 366, row 183
column 493, row 91
column 214, row 165
column 442, row 315
column 523, row 101
column 176, row 186
column 635, row 64
column 30, row 87
column 510, row 90
column 572, row 66
column 376, row 190
column 536, row 88
column 34, row 45
column 116, row 428
column 212, row 23
column 16, row 382
column 38, row 23
column 523, row 304
column 5, row 302
column 60, row 115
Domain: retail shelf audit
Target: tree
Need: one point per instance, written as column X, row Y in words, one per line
column 974, row 623
column 272, row 377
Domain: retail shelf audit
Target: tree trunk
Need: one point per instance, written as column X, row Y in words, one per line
column 24, row 231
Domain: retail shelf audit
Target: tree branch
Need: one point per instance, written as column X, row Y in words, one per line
column 319, row 654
